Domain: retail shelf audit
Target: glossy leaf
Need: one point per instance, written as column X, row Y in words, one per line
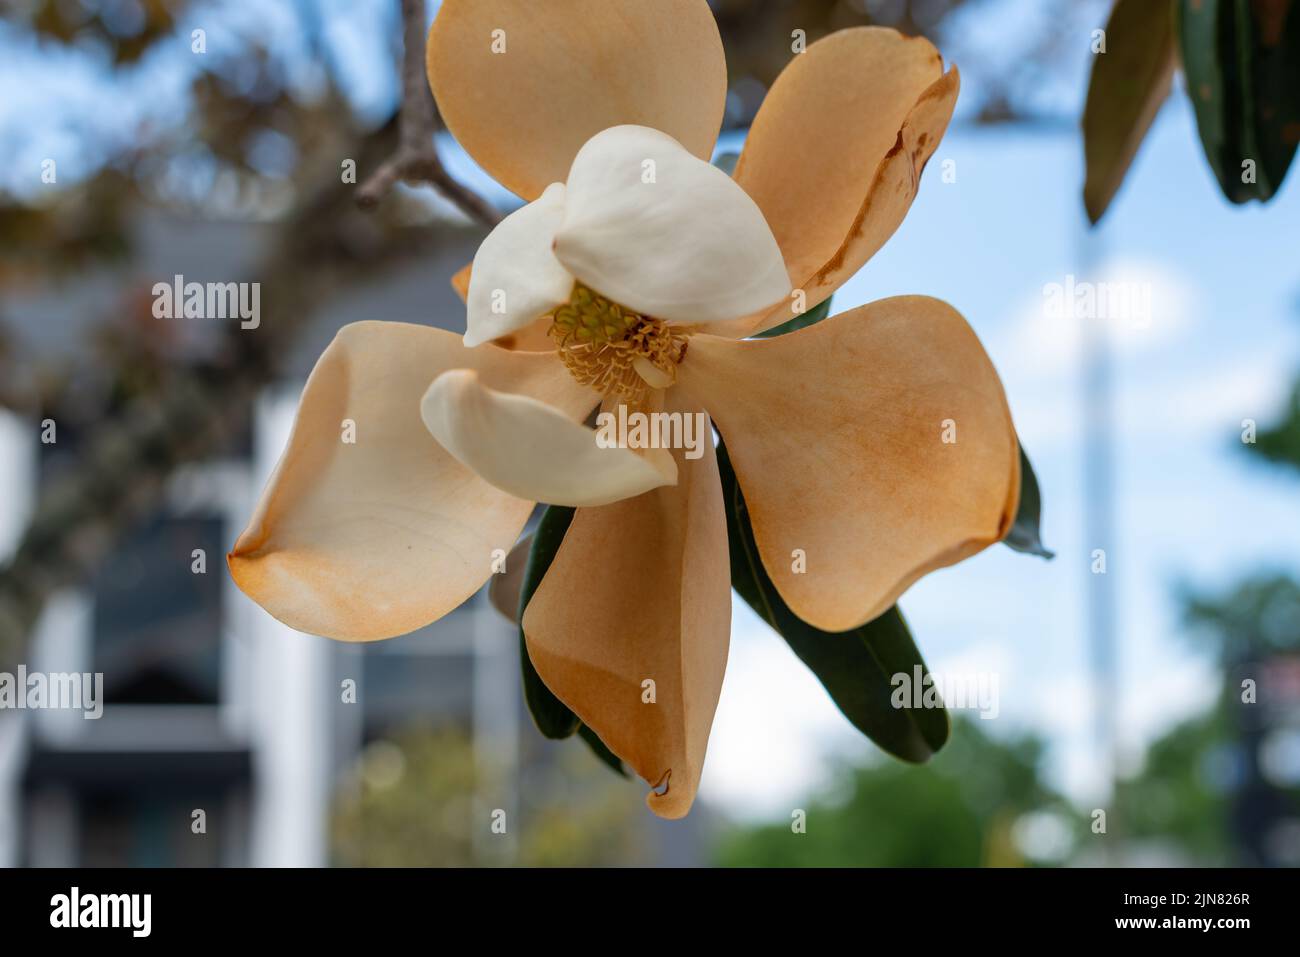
column 1025, row 535
column 856, row 667
column 1242, row 61
column 1269, row 41
column 802, row 321
column 599, row 749
column 552, row 717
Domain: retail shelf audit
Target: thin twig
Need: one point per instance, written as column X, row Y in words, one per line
column 416, row 161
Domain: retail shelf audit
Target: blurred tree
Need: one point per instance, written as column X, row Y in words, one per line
column 127, row 30
column 409, row 802
column 1216, row 785
column 1225, row 785
column 979, row 802
column 1280, row 442
column 758, row 35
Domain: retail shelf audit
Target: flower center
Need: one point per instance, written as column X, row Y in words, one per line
column 616, row 351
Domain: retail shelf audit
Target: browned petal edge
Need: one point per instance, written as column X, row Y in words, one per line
column 913, row 147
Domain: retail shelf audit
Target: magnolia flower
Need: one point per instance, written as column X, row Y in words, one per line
column 632, row 276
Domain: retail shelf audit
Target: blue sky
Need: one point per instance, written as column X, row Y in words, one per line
column 1221, row 346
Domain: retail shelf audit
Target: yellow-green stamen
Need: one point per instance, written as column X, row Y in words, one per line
column 600, row 342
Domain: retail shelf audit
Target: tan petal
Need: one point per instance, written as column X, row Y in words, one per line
column 381, row 536
column 641, row 591
column 837, row 434
column 532, row 450
column 567, row 72
column 835, row 154
column 460, row 281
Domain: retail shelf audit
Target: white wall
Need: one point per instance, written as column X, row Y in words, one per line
column 292, row 682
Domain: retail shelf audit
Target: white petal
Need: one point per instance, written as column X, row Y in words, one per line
column 532, row 451
column 515, row 277
column 652, row 227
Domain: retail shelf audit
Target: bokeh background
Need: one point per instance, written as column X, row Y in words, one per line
column 1118, row 691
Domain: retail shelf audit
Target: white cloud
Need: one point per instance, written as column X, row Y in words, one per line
column 775, row 729
column 1146, row 305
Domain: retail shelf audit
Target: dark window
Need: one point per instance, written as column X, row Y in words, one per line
column 157, row 628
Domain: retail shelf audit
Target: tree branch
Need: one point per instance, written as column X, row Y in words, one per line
column 416, row 161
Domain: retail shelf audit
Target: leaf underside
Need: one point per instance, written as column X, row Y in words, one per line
column 1129, row 82
column 1025, row 535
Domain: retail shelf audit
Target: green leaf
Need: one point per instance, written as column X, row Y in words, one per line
column 1129, row 82
column 552, row 717
column 1242, row 61
column 856, row 667
column 1025, row 535
column 1210, row 81
column 802, row 321
column 1269, row 43
column 598, row 748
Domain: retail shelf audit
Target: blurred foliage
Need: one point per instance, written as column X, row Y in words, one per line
column 757, row 33
column 410, row 802
column 980, row 802
column 1181, row 796
column 1206, row 785
column 1280, row 442
column 250, row 144
column 248, row 135
column 66, row 232
column 127, row 28
column 1259, row 617
column 757, row 38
